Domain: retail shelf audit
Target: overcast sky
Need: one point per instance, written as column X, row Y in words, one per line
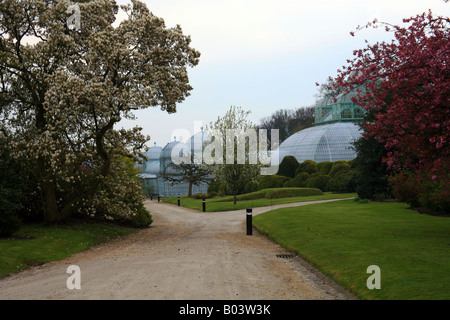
column 265, row 55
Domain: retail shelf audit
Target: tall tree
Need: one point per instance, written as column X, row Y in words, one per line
column 288, row 121
column 62, row 97
column 234, row 175
column 302, row 118
column 371, row 173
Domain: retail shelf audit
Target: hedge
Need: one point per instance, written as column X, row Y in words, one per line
column 272, row 181
column 273, row 193
column 288, row 166
column 299, row 181
column 307, row 166
column 338, row 168
column 318, row 181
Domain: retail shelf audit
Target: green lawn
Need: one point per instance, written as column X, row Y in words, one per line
column 219, row 203
column 343, row 238
column 51, row 243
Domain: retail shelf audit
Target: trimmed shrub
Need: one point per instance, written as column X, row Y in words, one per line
column 291, row 192
column 273, row 193
column 250, row 187
column 353, row 163
column 203, row 195
column 212, row 194
column 288, row 166
column 141, row 219
column 250, row 196
column 288, row 184
column 324, row 167
column 341, row 182
column 307, row 166
column 298, row 182
column 318, row 181
column 339, row 167
column 340, row 161
column 271, row 181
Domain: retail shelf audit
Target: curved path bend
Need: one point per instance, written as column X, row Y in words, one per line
column 184, row 255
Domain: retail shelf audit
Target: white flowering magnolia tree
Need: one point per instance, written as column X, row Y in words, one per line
column 63, row 90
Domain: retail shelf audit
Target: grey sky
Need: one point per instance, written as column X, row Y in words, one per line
column 266, row 55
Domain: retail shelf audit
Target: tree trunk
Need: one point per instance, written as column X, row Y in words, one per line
column 50, row 206
column 190, row 189
column 234, row 196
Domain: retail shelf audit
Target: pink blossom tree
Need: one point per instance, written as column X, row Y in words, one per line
column 406, row 82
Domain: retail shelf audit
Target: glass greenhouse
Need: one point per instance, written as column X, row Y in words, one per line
column 328, row 142
column 331, row 138
column 158, row 161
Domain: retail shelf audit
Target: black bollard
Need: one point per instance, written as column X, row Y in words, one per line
column 159, row 198
column 204, row 205
column 151, row 197
column 178, row 201
column 249, row 221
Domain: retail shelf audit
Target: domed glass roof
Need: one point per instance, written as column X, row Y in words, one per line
column 196, row 142
column 153, row 153
column 328, row 142
column 166, row 152
column 152, row 166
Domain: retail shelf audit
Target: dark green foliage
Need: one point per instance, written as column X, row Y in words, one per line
column 8, row 224
column 318, row 181
column 274, row 193
column 222, row 190
column 339, row 167
column 288, row 184
column 299, row 181
column 307, row 166
column 204, row 195
column 288, row 166
column 249, row 196
column 250, row 187
column 214, row 186
column 292, row 192
column 352, row 163
column 142, row 219
column 10, row 193
column 342, row 182
column 324, row 167
column 371, row 177
column 271, row 181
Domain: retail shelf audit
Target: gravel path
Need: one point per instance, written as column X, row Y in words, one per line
column 184, row 255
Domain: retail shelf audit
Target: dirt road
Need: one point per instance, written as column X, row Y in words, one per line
column 186, row 255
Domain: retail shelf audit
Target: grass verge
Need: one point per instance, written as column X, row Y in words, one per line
column 225, row 203
column 342, row 239
column 38, row 244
